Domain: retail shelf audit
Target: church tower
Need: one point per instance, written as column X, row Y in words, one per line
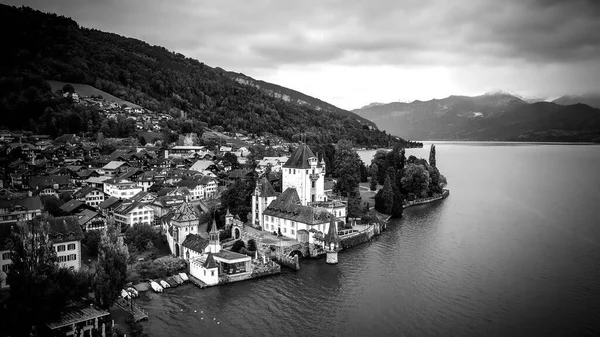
column 303, row 172
column 332, row 242
column 214, row 244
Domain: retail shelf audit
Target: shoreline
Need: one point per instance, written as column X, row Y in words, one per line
column 424, row 201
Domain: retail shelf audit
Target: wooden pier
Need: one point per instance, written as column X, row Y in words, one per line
column 137, row 313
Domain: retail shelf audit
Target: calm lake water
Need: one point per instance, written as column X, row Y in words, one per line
column 514, row 251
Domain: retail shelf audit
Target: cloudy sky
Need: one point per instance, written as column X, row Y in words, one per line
column 354, row 52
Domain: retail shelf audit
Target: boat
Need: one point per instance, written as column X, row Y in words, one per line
column 124, row 294
column 133, row 292
column 184, row 277
column 164, row 284
column 171, row 281
column 178, row 279
column 156, row 287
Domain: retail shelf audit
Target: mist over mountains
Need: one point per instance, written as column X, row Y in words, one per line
column 496, row 116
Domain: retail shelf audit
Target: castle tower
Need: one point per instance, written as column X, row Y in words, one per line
column 303, row 172
column 332, row 242
column 263, row 195
column 228, row 219
column 214, row 244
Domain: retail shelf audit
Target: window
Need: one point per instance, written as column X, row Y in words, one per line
column 5, row 268
column 293, row 225
column 62, row 258
column 6, row 256
column 294, row 171
column 212, row 273
column 71, row 257
column 285, row 230
column 313, row 184
column 60, row 248
column 292, row 232
column 204, row 272
column 71, row 246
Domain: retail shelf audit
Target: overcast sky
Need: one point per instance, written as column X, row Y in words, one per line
column 354, row 52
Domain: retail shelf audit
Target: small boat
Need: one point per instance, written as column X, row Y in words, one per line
column 156, row 287
column 171, row 281
column 133, row 292
column 178, row 279
column 184, row 276
column 164, row 284
column 124, row 294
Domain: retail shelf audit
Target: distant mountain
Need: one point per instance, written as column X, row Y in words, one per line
column 489, row 117
column 591, row 99
column 40, row 47
column 370, row 105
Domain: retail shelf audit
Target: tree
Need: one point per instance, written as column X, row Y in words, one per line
column 140, row 235
column 252, row 245
column 432, row 156
column 384, row 200
column 91, row 240
column 391, row 172
column 397, row 207
column 52, row 205
column 346, row 168
column 232, row 159
column 142, row 140
column 354, row 202
column 39, row 289
column 237, row 246
column 374, row 173
column 68, row 88
column 238, row 196
column 111, row 269
column 416, row 180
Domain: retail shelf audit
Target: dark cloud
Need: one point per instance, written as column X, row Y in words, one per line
column 266, row 35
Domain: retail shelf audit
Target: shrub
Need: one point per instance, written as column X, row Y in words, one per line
column 252, row 245
column 140, row 235
column 237, row 246
column 91, row 240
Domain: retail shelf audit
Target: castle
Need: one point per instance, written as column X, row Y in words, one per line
column 302, row 212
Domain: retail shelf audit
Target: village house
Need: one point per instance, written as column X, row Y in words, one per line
column 90, row 220
column 91, row 195
column 130, row 213
column 66, row 235
column 5, row 254
column 275, row 163
column 74, row 206
column 114, row 168
column 13, row 209
column 107, row 207
column 123, row 189
column 162, row 206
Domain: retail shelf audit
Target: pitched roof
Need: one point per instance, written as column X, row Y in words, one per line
column 201, row 165
column 299, row 159
column 86, row 215
column 265, row 189
column 113, row 165
column 65, row 228
column 85, row 191
column 110, row 202
column 213, row 227
column 210, row 263
column 42, row 181
column 31, row 203
column 332, row 232
column 195, row 243
column 71, row 205
column 288, row 206
column 185, row 212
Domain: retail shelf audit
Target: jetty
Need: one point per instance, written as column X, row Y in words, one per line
column 130, row 307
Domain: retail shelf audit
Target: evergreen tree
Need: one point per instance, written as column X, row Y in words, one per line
column 354, row 201
column 387, row 196
column 374, row 173
column 432, row 156
column 391, row 173
column 397, row 208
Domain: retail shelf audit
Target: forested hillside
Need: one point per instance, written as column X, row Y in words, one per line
column 39, row 47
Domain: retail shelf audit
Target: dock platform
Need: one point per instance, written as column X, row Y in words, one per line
column 137, row 313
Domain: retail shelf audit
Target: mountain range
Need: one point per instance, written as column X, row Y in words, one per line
column 498, row 116
column 38, row 47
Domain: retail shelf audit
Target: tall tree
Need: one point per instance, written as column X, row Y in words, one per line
column 346, row 168
column 354, row 204
column 416, row 180
column 432, row 161
column 385, row 202
column 374, row 173
column 111, row 269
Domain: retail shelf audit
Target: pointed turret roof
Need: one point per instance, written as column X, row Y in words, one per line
column 228, row 212
column 299, row 159
column 265, row 189
column 210, row 262
column 213, row 229
column 332, row 233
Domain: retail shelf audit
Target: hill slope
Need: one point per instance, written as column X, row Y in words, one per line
column 38, row 46
column 499, row 117
column 592, row 100
column 88, row 90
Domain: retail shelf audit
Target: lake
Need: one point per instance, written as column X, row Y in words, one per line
column 514, row 250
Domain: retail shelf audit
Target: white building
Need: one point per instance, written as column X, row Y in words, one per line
column 91, row 195
column 66, row 235
column 303, row 172
column 121, row 188
column 181, row 222
column 263, row 195
column 133, row 212
column 276, row 163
